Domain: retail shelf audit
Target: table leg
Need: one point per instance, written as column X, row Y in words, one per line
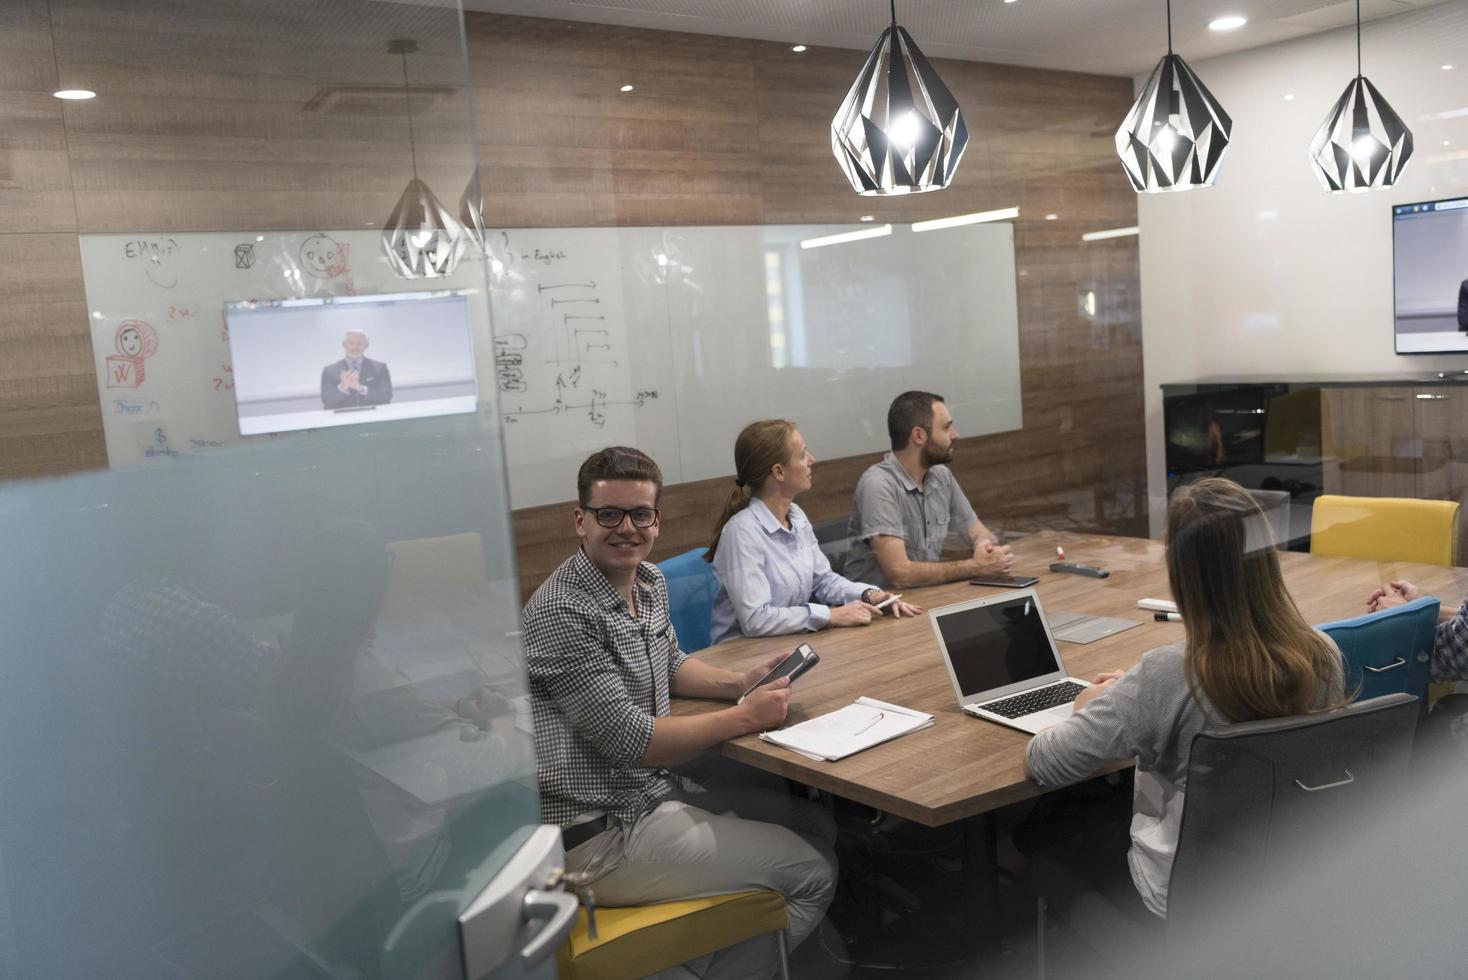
column 981, row 878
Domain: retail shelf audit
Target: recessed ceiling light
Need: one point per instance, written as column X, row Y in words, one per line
column 1051, row 217
column 1229, row 23
column 626, row 88
column 868, row 217
column 798, row 48
column 75, row 94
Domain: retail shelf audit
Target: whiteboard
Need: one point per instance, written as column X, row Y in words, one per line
column 668, row 339
column 673, row 339
column 174, row 392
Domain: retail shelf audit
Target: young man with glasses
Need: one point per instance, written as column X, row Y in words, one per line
column 604, row 661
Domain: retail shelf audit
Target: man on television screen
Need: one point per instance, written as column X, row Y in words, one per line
column 355, row 381
column 1463, row 306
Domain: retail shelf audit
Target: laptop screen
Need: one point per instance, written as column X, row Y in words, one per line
column 996, row 645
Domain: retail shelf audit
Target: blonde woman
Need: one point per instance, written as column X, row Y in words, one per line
column 1248, row 654
column 773, row 576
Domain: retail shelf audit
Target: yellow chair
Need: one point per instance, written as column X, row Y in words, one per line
column 638, row 940
column 1385, row 529
column 423, row 568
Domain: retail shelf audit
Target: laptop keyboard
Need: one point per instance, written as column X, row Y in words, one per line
column 1039, row 699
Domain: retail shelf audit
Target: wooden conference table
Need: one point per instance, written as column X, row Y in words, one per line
column 964, row 766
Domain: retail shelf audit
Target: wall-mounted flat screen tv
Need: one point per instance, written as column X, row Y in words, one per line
column 341, row 360
column 1430, row 266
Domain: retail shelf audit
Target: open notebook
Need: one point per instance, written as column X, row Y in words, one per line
column 847, row 731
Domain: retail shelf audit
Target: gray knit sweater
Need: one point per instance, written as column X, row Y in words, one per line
column 1150, row 715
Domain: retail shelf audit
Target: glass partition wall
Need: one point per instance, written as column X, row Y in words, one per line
column 262, row 700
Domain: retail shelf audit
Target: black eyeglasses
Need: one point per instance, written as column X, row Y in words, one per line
column 613, row 516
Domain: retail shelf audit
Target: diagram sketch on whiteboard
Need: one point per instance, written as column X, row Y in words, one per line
column 561, row 346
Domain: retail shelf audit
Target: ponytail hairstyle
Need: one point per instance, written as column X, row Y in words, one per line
column 1249, row 650
column 761, row 447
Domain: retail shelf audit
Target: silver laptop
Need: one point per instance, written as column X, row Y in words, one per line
column 1003, row 663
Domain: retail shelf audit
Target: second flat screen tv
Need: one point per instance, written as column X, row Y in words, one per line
column 317, row 363
column 1430, row 270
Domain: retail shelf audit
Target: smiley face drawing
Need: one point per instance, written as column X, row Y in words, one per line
column 323, row 257
column 160, row 269
column 136, row 338
column 135, row 341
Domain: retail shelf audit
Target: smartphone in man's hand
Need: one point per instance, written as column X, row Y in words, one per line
column 802, row 659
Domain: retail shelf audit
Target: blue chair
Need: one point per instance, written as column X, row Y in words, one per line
column 691, row 591
column 1388, row 652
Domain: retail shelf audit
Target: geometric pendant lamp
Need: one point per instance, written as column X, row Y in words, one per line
column 1363, row 144
column 899, row 130
column 471, row 211
column 421, row 239
column 1174, row 136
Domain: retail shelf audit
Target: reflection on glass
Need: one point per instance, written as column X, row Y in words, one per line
column 775, row 291
column 266, row 707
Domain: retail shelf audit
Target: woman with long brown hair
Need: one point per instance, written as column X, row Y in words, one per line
column 1248, row 655
column 773, row 576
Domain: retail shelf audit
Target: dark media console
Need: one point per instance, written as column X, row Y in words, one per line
column 1291, row 441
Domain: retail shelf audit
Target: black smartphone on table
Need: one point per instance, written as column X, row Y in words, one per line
column 1005, row 581
column 803, row 658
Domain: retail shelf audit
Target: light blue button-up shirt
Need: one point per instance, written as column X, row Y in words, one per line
column 774, row 579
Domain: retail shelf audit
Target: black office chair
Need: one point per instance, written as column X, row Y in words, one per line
column 1267, row 802
column 834, row 541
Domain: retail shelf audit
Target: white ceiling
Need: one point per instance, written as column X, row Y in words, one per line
column 1110, row 37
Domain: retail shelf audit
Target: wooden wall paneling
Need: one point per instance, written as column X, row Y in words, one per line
column 35, row 176
column 26, row 63
column 35, row 179
column 257, row 116
column 50, row 420
column 681, row 148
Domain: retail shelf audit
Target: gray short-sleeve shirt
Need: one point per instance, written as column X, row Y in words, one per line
column 888, row 502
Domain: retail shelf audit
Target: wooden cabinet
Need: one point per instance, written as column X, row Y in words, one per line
column 1375, row 439
column 1372, row 431
column 1441, row 416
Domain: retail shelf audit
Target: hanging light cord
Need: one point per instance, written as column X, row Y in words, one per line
column 408, row 102
column 1358, row 38
column 1169, row 25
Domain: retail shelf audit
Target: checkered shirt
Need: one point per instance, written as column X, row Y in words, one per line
column 1450, row 648
column 192, row 659
column 598, row 678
